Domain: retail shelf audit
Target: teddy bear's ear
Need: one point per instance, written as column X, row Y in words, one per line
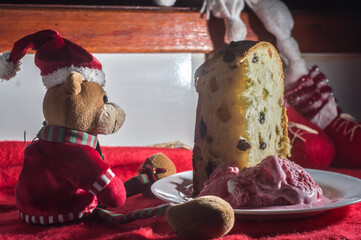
column 73, row 83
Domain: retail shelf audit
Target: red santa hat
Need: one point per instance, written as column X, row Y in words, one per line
column 56, row 57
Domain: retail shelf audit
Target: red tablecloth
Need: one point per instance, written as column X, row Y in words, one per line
column 341, row 223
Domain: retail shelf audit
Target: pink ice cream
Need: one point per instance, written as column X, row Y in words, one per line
column 273, row 182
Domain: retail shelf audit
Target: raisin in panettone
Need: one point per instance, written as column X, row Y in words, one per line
column 241, row 118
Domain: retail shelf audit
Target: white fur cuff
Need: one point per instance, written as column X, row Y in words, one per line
column 8, row 69
column 60, row 75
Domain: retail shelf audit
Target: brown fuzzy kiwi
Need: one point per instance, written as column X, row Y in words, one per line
column 201, row 218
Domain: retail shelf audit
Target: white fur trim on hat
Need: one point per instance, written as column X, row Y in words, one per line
column 60, row 75
column 8, row 69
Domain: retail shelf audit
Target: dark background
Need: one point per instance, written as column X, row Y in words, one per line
column 351, row 6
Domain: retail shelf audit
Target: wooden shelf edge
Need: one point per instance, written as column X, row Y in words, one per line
column 96, row 7
column 109, row 29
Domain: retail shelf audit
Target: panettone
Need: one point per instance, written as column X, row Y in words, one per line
column 241, row 118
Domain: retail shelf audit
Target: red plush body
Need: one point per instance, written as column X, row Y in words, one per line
column 311, row 148
column 62, row 181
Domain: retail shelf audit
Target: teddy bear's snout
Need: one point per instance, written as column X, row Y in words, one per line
column 111, row 119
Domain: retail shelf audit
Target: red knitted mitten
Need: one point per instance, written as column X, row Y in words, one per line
column 313, row 98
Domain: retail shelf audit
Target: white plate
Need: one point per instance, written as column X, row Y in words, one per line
column 339, row 190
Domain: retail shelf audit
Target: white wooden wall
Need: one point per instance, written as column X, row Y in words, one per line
column 157, row 93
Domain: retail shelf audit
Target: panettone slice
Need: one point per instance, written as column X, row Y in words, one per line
column 241, row 118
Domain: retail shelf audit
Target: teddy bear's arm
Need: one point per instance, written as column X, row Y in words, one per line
column 84, row 169
column 113, row 195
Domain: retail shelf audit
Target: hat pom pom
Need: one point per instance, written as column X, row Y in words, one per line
column 8, row 69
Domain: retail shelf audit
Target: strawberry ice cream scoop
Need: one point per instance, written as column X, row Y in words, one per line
column 273, row 182
column 217, row 182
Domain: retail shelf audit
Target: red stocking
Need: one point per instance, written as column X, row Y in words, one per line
column 313, row 97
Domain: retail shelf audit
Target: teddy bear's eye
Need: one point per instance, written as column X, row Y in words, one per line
column 105, row 99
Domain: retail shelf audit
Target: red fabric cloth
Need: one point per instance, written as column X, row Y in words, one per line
column 342, row 223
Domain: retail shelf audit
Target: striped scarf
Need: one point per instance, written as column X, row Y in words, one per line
column 65, row 135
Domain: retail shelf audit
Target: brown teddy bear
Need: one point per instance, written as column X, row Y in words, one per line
column 64, row 177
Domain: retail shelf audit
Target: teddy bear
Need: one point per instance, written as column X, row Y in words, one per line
column 64, row 175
